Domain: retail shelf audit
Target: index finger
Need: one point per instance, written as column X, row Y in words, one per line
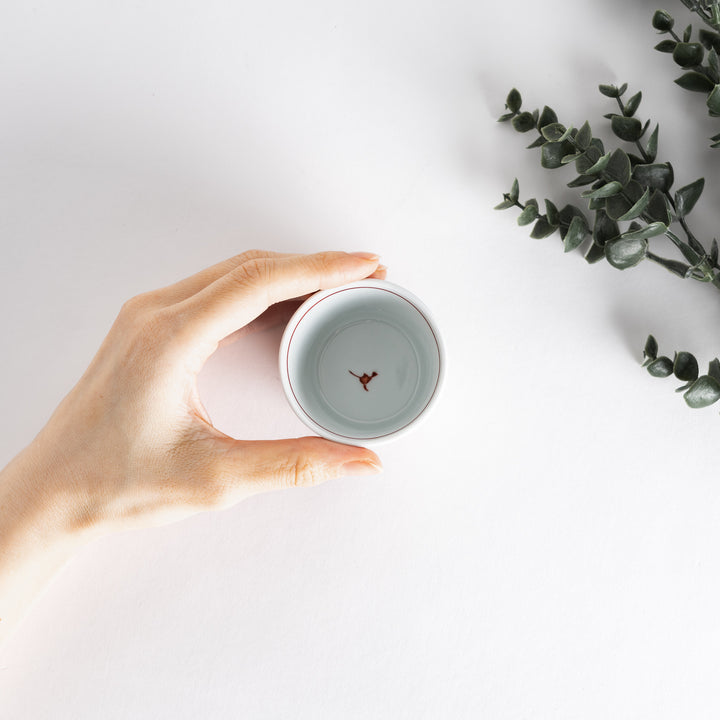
column 241, row 295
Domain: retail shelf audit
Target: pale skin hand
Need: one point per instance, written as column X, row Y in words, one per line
column 131, row 445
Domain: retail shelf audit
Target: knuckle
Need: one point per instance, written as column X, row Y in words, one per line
column 321, row 263
column 145, row 332
column 138, row 307
column 254, row 271
column 303, row 472
column 247, row 255
column 133, row 307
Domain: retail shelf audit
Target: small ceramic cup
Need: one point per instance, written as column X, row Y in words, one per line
column 362, row 363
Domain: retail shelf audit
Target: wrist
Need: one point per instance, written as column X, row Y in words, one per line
column 42, row 504
column 39, row 532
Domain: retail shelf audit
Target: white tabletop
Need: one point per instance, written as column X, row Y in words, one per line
column 546, row 544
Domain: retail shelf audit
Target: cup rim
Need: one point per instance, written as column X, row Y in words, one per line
column 313, row 301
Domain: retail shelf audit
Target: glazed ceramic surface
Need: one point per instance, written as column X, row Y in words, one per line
column 361, row 363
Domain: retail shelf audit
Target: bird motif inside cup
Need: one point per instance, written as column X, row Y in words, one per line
column 364, row 378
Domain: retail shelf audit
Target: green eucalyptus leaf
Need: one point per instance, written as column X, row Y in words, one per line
column 661, row 367
column 666, row 46
column 608, row 90
column 618, row 205
column 626, row 128
column 703, row 392
column 652, row 144
column 567, row 159
column 662, row 21
column 714, row 253
column 599, row 166
column 624, row 253
column 513, row 101
column 709, row 39
column 632, row 104
column 638, row 208
column 582, row 180
column 507, row 203
column 685, row 366
column 618, row 168
column 657, row 208
column 714, row 369
column 566, row 216
column 587, row 160
column 576, row 233
column 594, row 254
column 688, row 54
column 584, row 136
column 714, row 63
column 648, row 231
column 552, row 213
column 605, row 191
column 687, row 34
column 696, row 82
column 539, row 142
column 621, row 90
column 651, row 348
column 686, row 197
column 547, row 117
column 524, row 122
column 555, row 132
column 713, row 100
column 604, row 229
column 515, row 190
column 552, row 155
column 542, row 228
column 654, row 175
column 529, row 214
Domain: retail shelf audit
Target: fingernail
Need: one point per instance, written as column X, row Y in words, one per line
column 381, row 268
column 360, row 467
column 370, row 257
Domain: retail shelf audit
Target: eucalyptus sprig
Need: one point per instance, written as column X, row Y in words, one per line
column 699, row 391
column 624, row 187
column 702, row 72
column 630, row 202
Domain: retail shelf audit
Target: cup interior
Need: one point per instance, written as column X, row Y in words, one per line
column 362, row 362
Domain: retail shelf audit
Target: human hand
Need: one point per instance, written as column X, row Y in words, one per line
column 132, row 444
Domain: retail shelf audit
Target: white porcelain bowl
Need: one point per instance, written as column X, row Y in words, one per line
column 362, row 363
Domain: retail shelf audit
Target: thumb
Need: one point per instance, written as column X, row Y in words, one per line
column 266, row 465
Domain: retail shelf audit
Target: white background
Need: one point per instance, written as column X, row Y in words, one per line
column 547, row 544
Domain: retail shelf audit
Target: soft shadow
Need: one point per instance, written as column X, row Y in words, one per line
column 633, row 327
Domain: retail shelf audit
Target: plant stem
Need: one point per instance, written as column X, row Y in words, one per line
column 694, row 243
